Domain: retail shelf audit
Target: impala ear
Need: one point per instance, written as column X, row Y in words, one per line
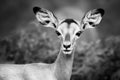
column 45, row 17
column 92, row 18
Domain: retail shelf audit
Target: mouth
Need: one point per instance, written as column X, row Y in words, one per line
column 67, row 51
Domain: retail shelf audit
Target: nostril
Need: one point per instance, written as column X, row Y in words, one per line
column 66, row 46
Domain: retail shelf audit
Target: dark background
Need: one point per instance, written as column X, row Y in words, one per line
column 23, row 40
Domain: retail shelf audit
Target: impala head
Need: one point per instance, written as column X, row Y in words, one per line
column 68, row 30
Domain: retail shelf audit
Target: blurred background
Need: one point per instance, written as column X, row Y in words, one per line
column 22, row 38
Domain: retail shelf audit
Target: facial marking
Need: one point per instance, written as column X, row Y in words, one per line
column 69, row 21
column 67, row 37
column 68, row 29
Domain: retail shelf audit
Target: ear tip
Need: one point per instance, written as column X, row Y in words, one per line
column 101, row 11
column 36, row 9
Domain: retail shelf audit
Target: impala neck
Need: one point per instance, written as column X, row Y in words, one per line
column 63, row 65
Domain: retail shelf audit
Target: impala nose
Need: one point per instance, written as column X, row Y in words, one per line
column 66, row 46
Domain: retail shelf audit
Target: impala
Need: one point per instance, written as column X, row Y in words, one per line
column 68, row 31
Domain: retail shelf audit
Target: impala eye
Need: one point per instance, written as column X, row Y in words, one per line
column 78, row 33
column 58, row 33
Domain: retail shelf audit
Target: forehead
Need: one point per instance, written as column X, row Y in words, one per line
column 68, row 24
column 69, row 21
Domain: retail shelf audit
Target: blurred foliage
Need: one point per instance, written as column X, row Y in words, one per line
column 97, row 60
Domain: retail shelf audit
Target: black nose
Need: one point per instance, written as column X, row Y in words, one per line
column 66, row 46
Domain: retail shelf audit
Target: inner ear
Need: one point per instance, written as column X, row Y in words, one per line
column 92, row 18
column 45, row 17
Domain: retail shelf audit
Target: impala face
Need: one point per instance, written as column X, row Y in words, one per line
column 68, row 30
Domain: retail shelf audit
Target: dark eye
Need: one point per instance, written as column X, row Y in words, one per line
column 58, row 33
column 78, row 33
